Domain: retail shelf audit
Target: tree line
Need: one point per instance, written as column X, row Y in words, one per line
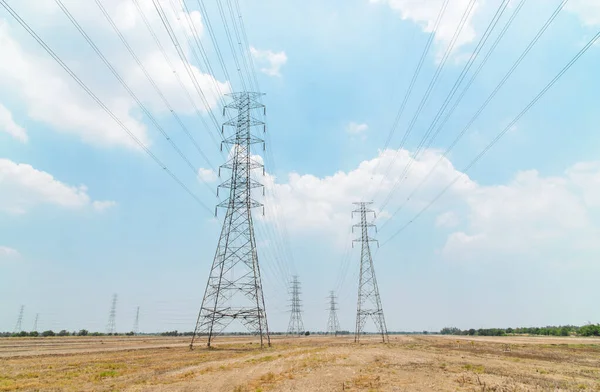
column 563, row 330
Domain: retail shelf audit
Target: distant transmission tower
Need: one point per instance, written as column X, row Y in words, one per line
column 333, row 325
column 35, row 323
column 19, row 325
column 111, row 327
column 136, row 323
column 234, row 289
column 296, row 326
column 369, row 302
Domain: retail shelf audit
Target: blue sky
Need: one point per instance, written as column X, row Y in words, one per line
column 84, row 214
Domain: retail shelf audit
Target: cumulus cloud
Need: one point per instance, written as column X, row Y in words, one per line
column 587, row 10
column 329, row 199
column 24, row 187
column 425, row 13
column 207, row 175
column 8, row 253
column 532, row 215
column 8, row 125
column 355, row 128
column 50, row 95
column 447, row 219
column 273, row 61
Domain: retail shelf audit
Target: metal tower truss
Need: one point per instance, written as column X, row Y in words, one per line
column 234, row 288
column 369, row 301
column 112, row 316
column 296, row 326
column 333, row 325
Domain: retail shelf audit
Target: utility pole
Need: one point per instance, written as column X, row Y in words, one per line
column 369, row 301
column 19, row 325
column 111, row 327
column 296, row 326
column 333, row 325
column 35, row 323
column 136, row 323
column 234, row 288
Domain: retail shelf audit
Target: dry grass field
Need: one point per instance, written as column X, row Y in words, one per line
column 408, row 363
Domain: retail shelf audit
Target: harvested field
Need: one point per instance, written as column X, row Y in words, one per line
column 408, row 363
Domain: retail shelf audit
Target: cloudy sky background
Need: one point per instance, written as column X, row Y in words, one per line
column 85, row 212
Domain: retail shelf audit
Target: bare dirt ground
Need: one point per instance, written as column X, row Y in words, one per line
column 408, row 363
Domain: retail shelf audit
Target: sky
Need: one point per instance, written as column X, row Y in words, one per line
column 86, row 211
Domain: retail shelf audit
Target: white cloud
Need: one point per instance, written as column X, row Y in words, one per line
column 329, row 199
column 207, row 175
column 52, row 97
column 103, row 205
column 8, row 125
column 532, row 215
column 24, row 187
column 354, row 128
column 8, row 253
column 425, row 13
column 447, row 219
column 587, row 10
column 273, row 60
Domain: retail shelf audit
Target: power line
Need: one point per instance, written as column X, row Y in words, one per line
column 484, row 105
column 414, row 78
column 128, row 89
column 428, row 92
column 454, row 89
column 186, row 64
column 154, row 85
column 168, row 61
column 501, row 134
column 56, row 58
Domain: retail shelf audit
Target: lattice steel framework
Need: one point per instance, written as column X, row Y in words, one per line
column 333, row 325
column 295, row 326
column 112, row 316
column 136, row 323
column 35, row 323
column 369, row 301
column 19, row 325
column 234, row 288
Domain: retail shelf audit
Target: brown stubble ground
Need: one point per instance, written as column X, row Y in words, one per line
column 408, row 363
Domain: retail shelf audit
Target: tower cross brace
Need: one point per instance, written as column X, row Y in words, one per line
column 295, row 326
column 234, row 288
column 333, row 325
column 369, row 301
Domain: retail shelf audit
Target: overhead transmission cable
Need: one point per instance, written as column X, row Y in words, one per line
column 413, row 81
column 453, row 90
column 98, row 101
column 153, row 83
column 179, row 81
column 167, row 25
column 500, row 135
column 195, row 39
column 128, row 89
column 483, row 106
column 428, row 92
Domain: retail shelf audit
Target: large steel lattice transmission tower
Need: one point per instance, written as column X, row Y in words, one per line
column 234, row 289
column 296, row 326
column 19, row 325
column 333, row 325
column 369, row 301
column 111, row 327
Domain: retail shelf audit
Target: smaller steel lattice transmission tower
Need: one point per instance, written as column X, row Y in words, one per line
column 234, row 289
column 35, row 323
column 136, row 323
column 111, row 326
column 19, row 325
column 369, row 301
column 333, row 325
column 296, row 326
